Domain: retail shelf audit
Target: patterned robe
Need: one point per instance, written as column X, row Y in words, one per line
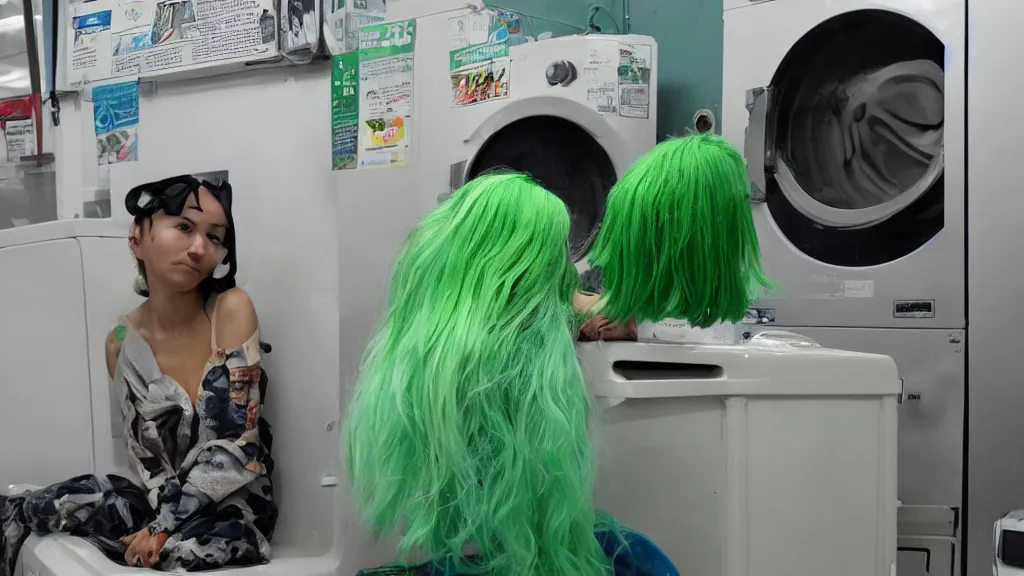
column 203, row 472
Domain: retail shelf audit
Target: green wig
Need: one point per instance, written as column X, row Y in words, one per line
column 678, row 239
column 469, row 423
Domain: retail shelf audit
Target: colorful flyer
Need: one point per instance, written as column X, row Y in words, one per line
column 344, row 110
column 634, row 80
column 116, row 113
column 479, row 63
column 385, row 91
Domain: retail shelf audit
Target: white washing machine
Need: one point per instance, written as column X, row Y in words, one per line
column 64, row 284
column 850, row 114
column 851, row 117
column 931, row 441
column 775, row 456
column 580, row 111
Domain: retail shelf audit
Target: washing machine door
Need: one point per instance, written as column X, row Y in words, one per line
column 846, row 144
column 563, row 157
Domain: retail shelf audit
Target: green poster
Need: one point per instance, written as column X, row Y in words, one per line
column 371, row 98
column 478, row 56
column 344, row 110
column 386, row 77
column 386, row 40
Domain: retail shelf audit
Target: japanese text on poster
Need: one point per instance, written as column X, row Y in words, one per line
column 116, row 113
column 634, row 74
column 479, row 63
column 344, row 110
column 382, row 106
column 115, row 38
column 601, row 73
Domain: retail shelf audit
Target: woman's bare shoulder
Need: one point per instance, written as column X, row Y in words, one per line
column 113, row 349
column 236, row 318
column 114, row 339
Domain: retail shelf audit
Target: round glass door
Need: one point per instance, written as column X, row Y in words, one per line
column 854, row 139
column 565, row 159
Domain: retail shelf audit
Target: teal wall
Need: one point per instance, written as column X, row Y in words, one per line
column 689, row 35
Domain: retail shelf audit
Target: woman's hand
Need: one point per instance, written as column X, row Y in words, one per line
column 591, row 329
column 144, row 548
column 601, row 328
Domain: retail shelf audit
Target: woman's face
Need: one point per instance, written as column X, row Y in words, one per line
column 180, row 251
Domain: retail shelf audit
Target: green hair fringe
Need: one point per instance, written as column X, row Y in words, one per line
column 678, row 238
column 468, row 427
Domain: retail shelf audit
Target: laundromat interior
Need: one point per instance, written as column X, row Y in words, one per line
column 863, row 419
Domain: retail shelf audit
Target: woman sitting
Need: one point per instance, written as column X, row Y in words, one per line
column 468, row 434
column 187, row 366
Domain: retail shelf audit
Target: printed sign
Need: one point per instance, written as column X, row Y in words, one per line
column 371, row 98
column 479, row 63
column 634, row 80
column 116, row 113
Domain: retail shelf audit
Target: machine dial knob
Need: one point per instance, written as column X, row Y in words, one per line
column 561, row 72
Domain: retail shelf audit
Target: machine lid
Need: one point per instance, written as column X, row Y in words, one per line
column 854, row 139
column 565, row 159
column 662, row 370
column 61, row 229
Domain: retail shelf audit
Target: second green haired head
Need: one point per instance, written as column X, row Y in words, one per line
column 678, row 238
column 468, row 429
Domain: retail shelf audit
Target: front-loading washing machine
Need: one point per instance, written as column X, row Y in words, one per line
column 851, row 116
column 580, row 111
column 930, row 435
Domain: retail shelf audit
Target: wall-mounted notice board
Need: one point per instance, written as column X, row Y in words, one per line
column 108, row 39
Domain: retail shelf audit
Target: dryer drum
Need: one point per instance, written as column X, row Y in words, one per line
column 877, row 145
column 565, row 159
column 854, row 139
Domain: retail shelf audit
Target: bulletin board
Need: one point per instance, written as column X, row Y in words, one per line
column 108, row 39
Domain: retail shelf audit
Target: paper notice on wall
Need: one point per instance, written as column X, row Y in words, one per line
column 300, row 29
column 88, row 32
column 602, row 76
column 344, row 110
column 634, row 80
column 116, row 113
column 344, row 19
column 129, row 15
column 479, row 63
column 115, row 38
column 19, row 128
column 334, row 26
column 20, row 137
column 385, row 90
column 355, row 21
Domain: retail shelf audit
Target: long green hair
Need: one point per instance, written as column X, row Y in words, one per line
column 469, row 423
column 678, row 239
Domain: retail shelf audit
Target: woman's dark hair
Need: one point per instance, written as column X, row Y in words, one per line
column 170, row 196
column 591, row 281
